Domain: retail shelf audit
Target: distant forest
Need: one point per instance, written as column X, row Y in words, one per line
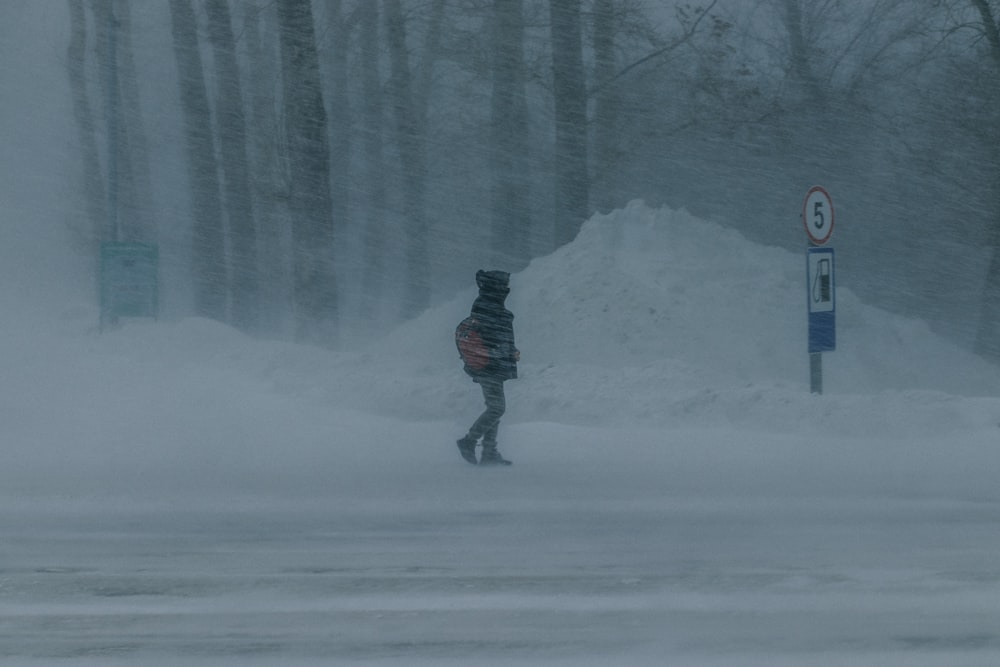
column 309, row 167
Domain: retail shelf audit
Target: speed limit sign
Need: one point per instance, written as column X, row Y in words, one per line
column 817, row 215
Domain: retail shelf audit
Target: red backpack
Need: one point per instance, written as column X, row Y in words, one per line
column 471, row 348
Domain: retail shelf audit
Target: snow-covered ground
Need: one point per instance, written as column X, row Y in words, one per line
column 177, row 493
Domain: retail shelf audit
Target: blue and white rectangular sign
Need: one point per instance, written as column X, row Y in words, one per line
column 822, row 300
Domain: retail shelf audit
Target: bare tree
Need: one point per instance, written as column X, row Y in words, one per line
column 572, row 181
column 606, row 106
column 208, row 252
column 800, row 66
column 988, row 335
column 310, row 200
column 93, row 183
column 138, row 212
column 232, row 133
column 269, row 173
column 107, row 32
column 129, row 206
column 340, row 117
column 409, row 107
column 509, row 146
column 375, row 232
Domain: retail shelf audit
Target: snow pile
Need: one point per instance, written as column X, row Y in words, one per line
column 657, row 317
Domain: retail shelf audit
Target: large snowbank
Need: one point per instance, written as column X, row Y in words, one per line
column 657, row 317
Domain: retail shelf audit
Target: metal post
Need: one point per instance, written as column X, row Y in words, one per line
column 816, row 372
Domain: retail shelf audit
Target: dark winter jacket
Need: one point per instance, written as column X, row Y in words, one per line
column 497, row 325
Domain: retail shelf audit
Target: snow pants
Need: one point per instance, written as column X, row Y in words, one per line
column 488, row 423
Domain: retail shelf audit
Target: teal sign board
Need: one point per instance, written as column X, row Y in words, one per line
column 129, row 280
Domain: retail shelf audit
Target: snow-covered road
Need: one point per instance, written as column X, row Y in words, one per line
column 490, row 568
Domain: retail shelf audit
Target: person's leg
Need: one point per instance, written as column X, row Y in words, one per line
column 496, row 398
column 485, row 426
column 488, row 424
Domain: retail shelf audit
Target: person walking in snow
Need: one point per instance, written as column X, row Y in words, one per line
column 495, row 325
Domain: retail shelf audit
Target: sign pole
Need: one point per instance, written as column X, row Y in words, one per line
column 816, row 372
column 817, row 217
column 815, row 359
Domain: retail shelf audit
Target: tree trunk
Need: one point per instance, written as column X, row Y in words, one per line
column 310, row 200
column 106, row 32
column 138, row 222
column 269, row 175
column 572, row 186
column 375, row 232
column 800, row 62
column 432, row 43
column 93, row 183
column 410, row 141
column 127, row 199
column 232, row 133
column 340, row 117
column 988, row 334
column 605, row 181
column 208, row 253
column 990, row 28
column 511, row 191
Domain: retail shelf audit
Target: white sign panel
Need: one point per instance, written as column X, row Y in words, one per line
column 817, row 215
column 821, row 281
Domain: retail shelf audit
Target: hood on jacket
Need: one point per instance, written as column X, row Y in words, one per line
column 493, row 284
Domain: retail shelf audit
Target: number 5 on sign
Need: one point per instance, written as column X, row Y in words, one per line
column 817, row 215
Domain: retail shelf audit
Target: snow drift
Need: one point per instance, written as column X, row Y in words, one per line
column 656, row 317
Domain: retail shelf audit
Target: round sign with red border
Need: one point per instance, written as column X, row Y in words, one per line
column 817, row 215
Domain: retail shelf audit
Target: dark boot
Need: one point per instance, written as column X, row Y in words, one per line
column 467, row 448
column 491, row 457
